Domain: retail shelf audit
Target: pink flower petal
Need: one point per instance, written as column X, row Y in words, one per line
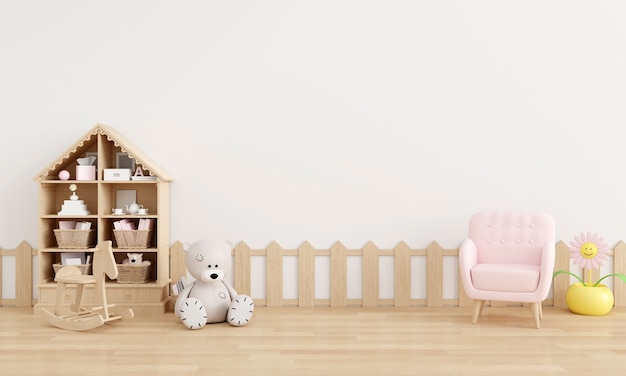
column 577, row 241
column 598, row 262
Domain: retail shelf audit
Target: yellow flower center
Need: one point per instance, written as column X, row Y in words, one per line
column 589, row 250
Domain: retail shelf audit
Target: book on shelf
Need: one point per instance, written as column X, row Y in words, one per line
column 83, row 225
column 145, row 224
column 74, row 225
column 73, row 258
column 127, row 224
column 67, row 225
column 124, row 224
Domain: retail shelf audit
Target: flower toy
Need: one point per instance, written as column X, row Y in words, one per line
column 589, row 298
column 589, row 252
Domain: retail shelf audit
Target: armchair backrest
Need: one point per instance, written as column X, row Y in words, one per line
column 511, row 236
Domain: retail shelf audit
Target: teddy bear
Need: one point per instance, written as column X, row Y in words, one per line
column 135, row 259
column 209, row 298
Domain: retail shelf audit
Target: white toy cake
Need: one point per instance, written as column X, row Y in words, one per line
column 74, row 206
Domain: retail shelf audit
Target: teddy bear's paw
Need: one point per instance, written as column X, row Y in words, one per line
column 240, row 311
column 193, row 314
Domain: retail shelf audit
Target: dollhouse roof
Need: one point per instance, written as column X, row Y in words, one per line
column 86, row 142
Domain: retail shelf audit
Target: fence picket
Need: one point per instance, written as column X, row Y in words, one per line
column 306, row 275
column 23, row 275
column 274, row 268
column 24, row 266
column 434, row 275
column 402, row 275
column 561, row 282
column 370, row 275
column 243, row 269
column 338, row 275
column 619, row 266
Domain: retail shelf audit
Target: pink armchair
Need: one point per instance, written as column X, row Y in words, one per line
column 509, row 256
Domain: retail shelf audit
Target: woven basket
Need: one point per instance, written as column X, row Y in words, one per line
column 84, row 268
column 133, row 273
column 133, row 238
column 75, row 238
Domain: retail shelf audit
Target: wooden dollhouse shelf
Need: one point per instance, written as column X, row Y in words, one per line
column 99, row 197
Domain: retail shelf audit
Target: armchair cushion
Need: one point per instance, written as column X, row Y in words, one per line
column 506, row 277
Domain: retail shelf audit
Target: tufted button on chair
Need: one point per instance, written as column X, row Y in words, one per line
column 509, row 256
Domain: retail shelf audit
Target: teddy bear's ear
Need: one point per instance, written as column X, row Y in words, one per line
column 186, row 246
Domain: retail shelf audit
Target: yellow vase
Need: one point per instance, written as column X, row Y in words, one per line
column 589, row 300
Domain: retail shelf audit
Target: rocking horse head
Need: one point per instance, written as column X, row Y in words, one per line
column 104, row 261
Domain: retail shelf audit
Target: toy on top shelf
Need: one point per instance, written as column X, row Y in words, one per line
column 74, row 206
column 86, row 170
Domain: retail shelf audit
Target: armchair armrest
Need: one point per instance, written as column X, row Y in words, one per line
column 468, row 254
column 468, row 258
column 548, row 255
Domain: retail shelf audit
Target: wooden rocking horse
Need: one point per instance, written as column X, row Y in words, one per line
column 82, row 318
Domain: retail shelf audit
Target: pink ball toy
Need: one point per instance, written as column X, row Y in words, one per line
column 64, row 175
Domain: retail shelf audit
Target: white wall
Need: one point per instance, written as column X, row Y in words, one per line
column 327, row 120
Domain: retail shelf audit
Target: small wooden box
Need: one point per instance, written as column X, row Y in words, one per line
column 133, row 238
column 75, row 238
column 133, row 273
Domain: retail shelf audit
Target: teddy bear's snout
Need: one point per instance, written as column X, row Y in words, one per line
column 212, row 276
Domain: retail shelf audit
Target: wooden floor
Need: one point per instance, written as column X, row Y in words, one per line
column 324, row 341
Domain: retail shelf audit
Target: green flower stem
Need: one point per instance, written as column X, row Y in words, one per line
column 618, row 275
column 570, row 273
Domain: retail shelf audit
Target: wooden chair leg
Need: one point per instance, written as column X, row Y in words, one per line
column 536, row 309
column 478, row 308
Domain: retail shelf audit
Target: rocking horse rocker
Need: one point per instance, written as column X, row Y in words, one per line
column 82, row 318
